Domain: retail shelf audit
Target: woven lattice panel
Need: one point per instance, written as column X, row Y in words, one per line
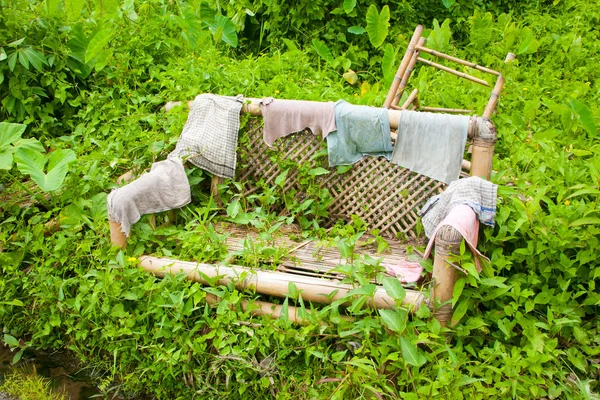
column 386, row 196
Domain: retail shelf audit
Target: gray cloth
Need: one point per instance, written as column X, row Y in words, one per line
column 431, row 144
column 165, row 187
column 475, row 192
column 210, row 134
column 361, row 131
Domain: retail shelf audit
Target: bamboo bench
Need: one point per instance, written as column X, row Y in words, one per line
column 386, row 196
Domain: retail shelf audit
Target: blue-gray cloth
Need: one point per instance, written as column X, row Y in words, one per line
column 431, row 144
column 361, row 131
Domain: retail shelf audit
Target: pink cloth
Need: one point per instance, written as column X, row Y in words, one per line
column 406, row 271
column 284, row 117
column 464, row 220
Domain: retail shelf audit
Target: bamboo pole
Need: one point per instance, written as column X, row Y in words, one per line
column 275, row 311
column 271, row 283
column 456, row 60
column 406, row 76
column 446, row 110
column 403, row 65
column 493, row 101
column 453, row 72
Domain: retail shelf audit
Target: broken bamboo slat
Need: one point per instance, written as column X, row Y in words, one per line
column 456, row 60
column 406, row 76
column 454, row 72
column 403, row 65
column 271, row 283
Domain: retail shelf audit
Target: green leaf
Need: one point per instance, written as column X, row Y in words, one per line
column 322, row 50
column 349, row 6
column 378, row 24
column 585, row 221
column 229, row 34
column 10, row 133
column 394, row 288
column 448, row 3
column 461, row 310
column 411, row 353
column 34, row 57
column 356, row 30
column 367, row 290
column 96, row 45
column 32, row 163
column 318, row 171
column 585, row 116
column 3, row 55
column 388, row 62
column 14, row 302
column 11, row 341
column 52, row 6
column 393, row 320
column 12, row 61
column 574, row 194
column 73, row 8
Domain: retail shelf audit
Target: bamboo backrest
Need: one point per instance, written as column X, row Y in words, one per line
column 411, row 57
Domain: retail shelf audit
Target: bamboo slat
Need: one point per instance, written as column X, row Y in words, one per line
column 453, row 71
column 456, row 60
column 411, row 98
column 495, row 95
column 271, row 283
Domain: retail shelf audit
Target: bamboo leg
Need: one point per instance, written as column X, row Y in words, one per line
column 411, row 98
column 117, row 237
column 444, row 275
column 406, row 76
column 483, row 148
column 403, row 65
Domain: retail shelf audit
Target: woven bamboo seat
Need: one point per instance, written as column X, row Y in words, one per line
column 385, row 196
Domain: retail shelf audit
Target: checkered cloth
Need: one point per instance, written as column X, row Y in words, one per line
column 475, row 192
column 209, row 137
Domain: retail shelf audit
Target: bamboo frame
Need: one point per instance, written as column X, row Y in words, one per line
column 453, row 71
column 444, row 275
column 495, row 95
column 271, row 283
column 412, row 97
column 403, row 66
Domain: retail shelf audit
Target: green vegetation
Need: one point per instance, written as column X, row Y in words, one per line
column 30, row 386
column 81, row 85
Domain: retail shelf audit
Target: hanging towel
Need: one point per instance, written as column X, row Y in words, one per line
column 210, row 134
column 406, row 271
column 431, row 144
column 475, row 192
column 361, row 131
column 284, row 117
column 164, row 188
column 464, row 220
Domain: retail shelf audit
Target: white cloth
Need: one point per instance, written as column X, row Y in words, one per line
column 210, row 134
column 164, row 188
column 431, row 144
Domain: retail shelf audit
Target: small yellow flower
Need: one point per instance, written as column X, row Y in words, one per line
column 276, row 91
column 355, row 94
column 132, row 259
column 567, row 202
column 525, row 88
column 199, row 58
